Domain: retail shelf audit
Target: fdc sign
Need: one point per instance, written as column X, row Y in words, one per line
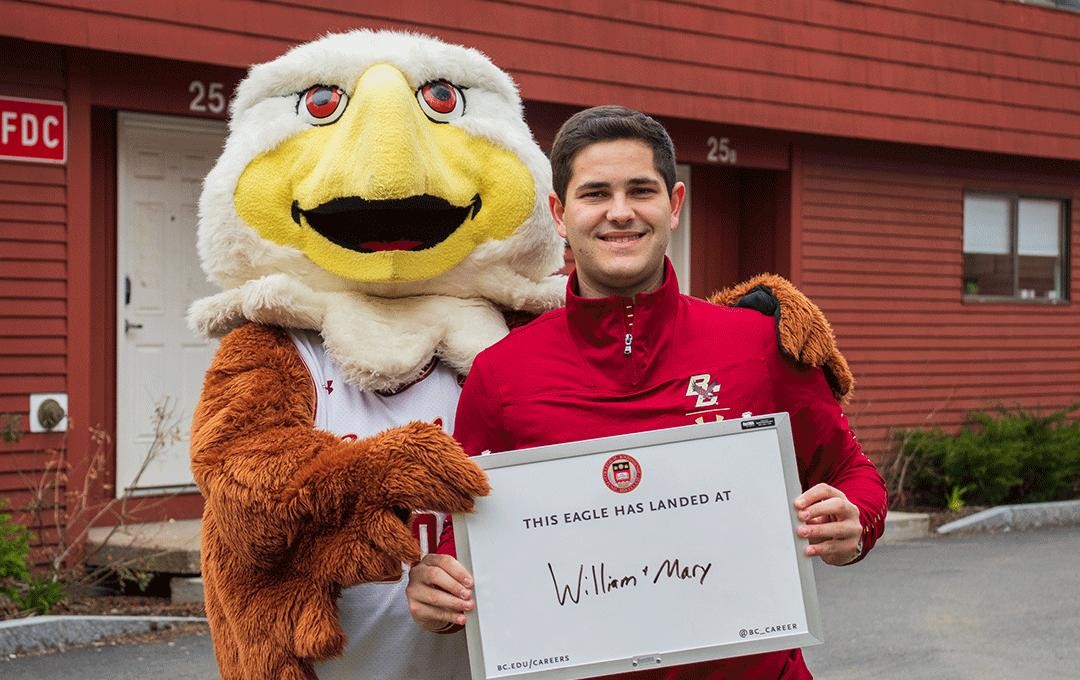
column 33, row 130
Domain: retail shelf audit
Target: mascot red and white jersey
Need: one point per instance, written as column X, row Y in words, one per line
column 381, row 639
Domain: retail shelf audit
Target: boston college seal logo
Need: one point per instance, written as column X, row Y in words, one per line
column 622, row 473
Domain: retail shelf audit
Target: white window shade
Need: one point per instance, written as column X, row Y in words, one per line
column 1040, row 227
column 986, row 225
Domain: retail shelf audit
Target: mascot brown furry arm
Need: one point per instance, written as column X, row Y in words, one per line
column 269, row 476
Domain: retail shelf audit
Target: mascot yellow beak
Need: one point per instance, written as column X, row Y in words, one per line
column 383, row 186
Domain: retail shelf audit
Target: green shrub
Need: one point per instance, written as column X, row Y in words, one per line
column 27, row 591
column 14, row 551
column 42, row 593
column 999, row 456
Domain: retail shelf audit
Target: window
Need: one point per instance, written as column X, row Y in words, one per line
column 1015, row 247
column 1061, row 4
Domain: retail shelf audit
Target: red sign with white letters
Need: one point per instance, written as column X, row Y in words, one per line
column 33, row 130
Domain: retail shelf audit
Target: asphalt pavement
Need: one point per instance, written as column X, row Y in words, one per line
column 1003, row 605
column 1000, row 606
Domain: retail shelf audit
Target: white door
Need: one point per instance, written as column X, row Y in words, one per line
column 679, row 246
column 161, row 162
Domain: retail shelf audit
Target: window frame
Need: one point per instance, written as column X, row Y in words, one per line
column 1064, row 227
column 1065, row 5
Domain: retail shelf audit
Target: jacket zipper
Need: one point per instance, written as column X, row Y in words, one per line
column 628, row 318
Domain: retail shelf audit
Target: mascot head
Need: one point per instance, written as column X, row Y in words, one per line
column 385, row 163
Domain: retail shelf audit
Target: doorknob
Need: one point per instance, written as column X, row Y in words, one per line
column 128, row 326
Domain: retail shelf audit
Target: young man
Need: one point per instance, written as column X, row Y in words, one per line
column 623, row 354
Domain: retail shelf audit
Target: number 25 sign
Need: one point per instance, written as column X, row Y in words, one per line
column 206, row 97
column 720, row 150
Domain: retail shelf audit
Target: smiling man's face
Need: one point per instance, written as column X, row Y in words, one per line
column 617, row 218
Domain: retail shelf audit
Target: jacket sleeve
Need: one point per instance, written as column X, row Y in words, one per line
column 826, row 447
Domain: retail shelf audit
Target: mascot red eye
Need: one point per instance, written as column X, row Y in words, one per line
column 441, row 101
column 323, row 104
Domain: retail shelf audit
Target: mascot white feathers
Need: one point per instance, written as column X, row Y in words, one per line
column 362, row 171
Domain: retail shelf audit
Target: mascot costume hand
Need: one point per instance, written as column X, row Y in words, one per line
column 377, row 213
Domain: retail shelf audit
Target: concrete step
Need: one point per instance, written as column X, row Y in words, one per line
column 170, row 547
column 905, row 526
column 185, row 590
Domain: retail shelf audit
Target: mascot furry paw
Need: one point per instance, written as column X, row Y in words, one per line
column 802, row 331
column 378, row 211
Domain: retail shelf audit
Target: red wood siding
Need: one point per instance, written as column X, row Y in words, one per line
column 33, row 276
column 882, row 255
column 993, row 75
column 877, row 242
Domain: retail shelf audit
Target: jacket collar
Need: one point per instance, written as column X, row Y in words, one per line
column 599, row 326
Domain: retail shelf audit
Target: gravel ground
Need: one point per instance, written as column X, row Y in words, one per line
column 939, row 517
column 114, row 605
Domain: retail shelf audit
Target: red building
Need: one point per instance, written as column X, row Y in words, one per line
column 913, row 165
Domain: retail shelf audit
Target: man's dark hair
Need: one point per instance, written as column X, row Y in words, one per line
column 607, row 123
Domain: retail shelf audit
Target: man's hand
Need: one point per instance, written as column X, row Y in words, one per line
column 439, row 592
column 831, row 522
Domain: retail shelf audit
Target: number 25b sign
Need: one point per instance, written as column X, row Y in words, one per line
column 33, row 130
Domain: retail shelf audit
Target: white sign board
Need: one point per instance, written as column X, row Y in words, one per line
column 640, row 551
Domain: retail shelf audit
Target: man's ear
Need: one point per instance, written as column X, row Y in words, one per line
column 556, row 208
column 678, row 195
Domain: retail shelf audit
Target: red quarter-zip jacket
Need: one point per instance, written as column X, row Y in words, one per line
column 608, row 366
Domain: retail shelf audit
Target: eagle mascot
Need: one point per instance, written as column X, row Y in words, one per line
column 376, row 217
